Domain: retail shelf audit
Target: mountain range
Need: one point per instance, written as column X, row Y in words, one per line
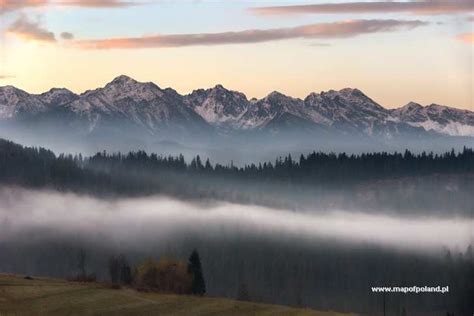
column 128, row 111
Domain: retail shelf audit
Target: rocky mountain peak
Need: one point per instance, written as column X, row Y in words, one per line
column 146, row 105
column 123, row 80
column 218, row 105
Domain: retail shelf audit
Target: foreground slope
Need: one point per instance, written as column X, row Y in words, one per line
column 58, row 297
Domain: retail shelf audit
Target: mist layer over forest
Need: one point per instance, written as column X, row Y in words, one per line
column 131, row 221
column 326, row 260
column 318, row 231
column 427, row 184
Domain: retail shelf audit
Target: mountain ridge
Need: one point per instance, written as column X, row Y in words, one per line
column 145, row 106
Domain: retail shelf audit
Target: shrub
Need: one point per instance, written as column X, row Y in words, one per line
column 165, row 275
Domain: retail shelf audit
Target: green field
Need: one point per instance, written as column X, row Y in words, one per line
column 43, row 296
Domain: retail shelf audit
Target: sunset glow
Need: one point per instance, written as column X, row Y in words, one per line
column 395, row 52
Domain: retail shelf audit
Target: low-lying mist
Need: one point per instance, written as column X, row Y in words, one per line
column 326, row 260
column 136, row 222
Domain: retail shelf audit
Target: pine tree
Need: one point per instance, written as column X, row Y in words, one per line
column 198, row 286
column 114, row 269
column 81, row 262
column 125, row 271
column 126, row 274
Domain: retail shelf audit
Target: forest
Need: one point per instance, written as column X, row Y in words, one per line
column 279, row 269
column 406, row 183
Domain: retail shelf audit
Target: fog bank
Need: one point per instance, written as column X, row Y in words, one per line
column 143, row 220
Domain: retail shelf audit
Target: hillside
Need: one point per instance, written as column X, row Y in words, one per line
column 59, row 297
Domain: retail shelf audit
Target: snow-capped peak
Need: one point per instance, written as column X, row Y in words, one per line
column 57, row 96
column 145, row 104
column 438, row 118
column 122, row 80
column 14, row 102
column 218, row 105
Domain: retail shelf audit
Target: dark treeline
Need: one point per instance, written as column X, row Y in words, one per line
column 316, row 167
column 41, row 166
column 394, row 182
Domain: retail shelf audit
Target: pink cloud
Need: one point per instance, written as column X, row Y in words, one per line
column 422, row 7
column 321, row 30
column 93, row 3
column 11, row 5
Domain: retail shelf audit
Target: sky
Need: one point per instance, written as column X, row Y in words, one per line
column 394, row 51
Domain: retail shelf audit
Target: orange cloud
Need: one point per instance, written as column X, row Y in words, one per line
column 94, row 3
column 321, row 30
column 422, row 7
column 466, row 37
column 10, row 5
column 30, row 30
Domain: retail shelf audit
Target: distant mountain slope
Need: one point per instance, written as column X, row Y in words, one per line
column 127, row 112
column 218, row 106
column 143, row 105
column 15, row 103
column 438, row 118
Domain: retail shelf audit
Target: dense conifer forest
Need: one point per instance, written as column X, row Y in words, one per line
column 401, row 182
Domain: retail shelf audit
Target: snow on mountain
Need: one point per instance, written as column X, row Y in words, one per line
column 145, row 107
column 57, row 97
column 348, row 109
column 438, row 118
column 15, row 102
column 144, row 104
column 263, row 111
column 218, row 105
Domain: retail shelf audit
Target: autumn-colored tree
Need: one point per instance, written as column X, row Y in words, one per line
column 165, row 275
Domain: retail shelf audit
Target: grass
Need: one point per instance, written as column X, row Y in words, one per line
column 43, row 296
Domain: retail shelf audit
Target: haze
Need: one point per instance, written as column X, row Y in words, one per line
column 130, row 222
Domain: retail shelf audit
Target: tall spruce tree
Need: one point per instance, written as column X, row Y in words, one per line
column 114, row 270
column 198, row 286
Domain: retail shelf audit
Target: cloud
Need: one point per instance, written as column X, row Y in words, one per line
column 6, row 76
column 423, row 7
column 94, row 3
column 343, row 29
column 11, row 5
column 67, row 36
column 319, row 44
column 30, row 30
column 466, row 37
